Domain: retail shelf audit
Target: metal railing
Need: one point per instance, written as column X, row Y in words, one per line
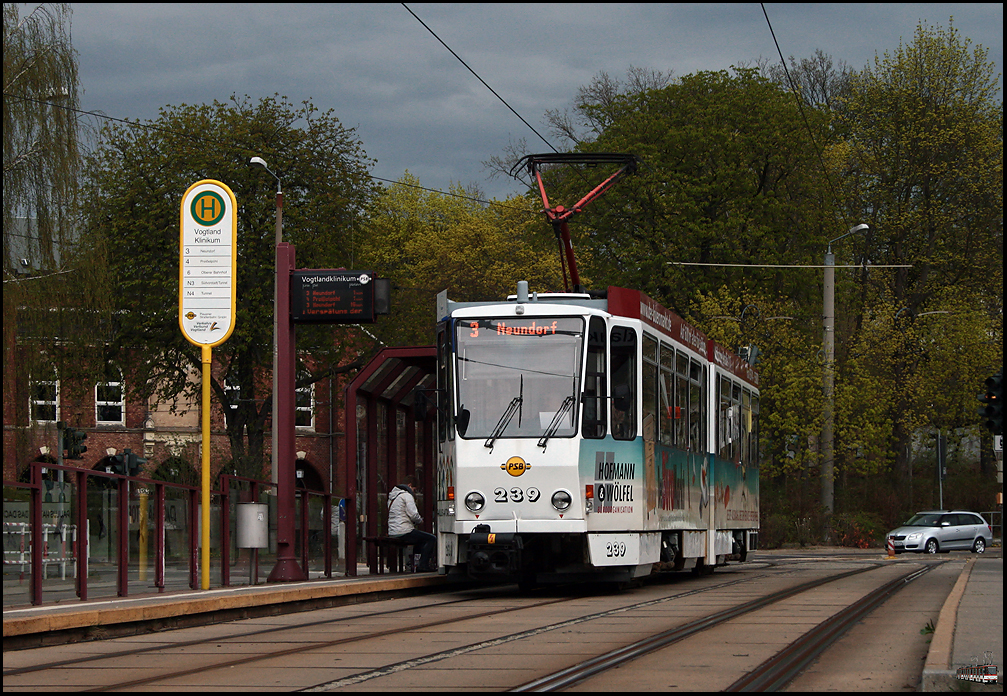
column 105, row 534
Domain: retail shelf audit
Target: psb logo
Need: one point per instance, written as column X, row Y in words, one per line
column 515, row 466
column 190, row 315
column 207, row 208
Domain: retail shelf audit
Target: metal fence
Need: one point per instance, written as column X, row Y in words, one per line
column 108, row 535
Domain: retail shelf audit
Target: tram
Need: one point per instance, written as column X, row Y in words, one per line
column 590, row 436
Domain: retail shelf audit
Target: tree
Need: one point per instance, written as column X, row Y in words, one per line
column 922, row 159
column 40, row 153
column 819, row 82
column 427, row 242
column 134, row 187
column 727, row 177
column 594, row 108
column 53, row 300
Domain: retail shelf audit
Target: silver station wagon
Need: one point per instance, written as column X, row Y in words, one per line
column 942, row 530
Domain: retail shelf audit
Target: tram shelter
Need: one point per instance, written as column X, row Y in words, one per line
column 385, row 444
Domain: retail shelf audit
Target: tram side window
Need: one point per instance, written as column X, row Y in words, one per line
column 697, row 407
column 594, row 381
column 746, row 425
column 724, row 430
column 623, row 366
column 753, row 436
column 682, row 404
column 666, row 406
column 736, row 424
column 650, row 386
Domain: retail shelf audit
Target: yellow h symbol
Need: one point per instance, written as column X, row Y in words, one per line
column 207, row 207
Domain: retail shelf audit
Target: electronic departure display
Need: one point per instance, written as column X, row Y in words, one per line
column 335, row 297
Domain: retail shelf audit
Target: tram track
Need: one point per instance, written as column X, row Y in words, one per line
column 299, row 649
column 70, row 662
column 771, row 675
column 453, row 626
column 86, row 661
column 779, row 670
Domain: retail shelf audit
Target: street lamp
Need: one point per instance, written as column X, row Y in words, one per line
column 829, row 376
column 282, row 435
column 259, row 163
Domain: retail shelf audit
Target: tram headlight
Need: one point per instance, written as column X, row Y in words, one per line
column 561, row 500
column 475, row 501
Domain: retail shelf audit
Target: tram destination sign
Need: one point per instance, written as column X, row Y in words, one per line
column 337, row 297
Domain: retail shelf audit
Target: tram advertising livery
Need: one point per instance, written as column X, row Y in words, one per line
column 590, row 437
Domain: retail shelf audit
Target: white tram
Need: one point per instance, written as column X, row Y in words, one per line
column 590, row 437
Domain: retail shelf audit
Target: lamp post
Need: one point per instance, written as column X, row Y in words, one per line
column 829, row 376
column 286, row 567
column 259, row 163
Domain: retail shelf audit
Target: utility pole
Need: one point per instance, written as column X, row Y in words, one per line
column 829, row 380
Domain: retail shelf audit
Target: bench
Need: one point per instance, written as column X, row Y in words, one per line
column 389, row 552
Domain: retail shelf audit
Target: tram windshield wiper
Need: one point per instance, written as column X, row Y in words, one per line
column 508, row 415
column 557, row 420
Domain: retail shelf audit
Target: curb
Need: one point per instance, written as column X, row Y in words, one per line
column 937, row 672
column 33, row 621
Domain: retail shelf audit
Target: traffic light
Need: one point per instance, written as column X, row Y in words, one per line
column 133, row 462
column 992, row 409
column 74, row 442
column 126, row 464
column 118, row 465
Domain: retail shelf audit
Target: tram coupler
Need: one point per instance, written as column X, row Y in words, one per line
column 492, row 555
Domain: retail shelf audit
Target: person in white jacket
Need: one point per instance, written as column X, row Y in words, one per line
column 403, row 521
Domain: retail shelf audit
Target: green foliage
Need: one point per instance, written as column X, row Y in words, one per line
column 860, row 530
column 54, row 288
column 135, row 182
column 922, row 162
column 427, row 242
column 728, row 177
column 924, row 166
column 790, row 374
column 912, row 145
column 40, row 155
column 782, row 529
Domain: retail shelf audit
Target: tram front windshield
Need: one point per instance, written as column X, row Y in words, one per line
column 518, row 377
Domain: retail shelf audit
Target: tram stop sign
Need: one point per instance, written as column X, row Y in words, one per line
column 208, row 254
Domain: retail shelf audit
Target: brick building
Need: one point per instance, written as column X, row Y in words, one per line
column 167, row 435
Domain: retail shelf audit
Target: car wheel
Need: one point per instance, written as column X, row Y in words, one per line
column 979, row 546
column 931, row 546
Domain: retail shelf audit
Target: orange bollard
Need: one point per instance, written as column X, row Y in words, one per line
column 891, row 547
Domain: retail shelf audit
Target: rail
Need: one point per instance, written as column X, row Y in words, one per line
column 775, row 672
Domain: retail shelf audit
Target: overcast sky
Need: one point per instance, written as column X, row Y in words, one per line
column 415, row 106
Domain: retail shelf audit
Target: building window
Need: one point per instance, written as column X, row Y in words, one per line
column 109, row 399
column 304, row 407
column 45, row 400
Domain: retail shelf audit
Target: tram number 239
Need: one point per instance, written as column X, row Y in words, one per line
column 516, row 495
column 615, row 549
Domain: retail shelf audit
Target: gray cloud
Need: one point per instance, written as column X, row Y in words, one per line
column 414, row 105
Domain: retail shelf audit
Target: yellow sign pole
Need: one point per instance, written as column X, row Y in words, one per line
column 204, row 559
